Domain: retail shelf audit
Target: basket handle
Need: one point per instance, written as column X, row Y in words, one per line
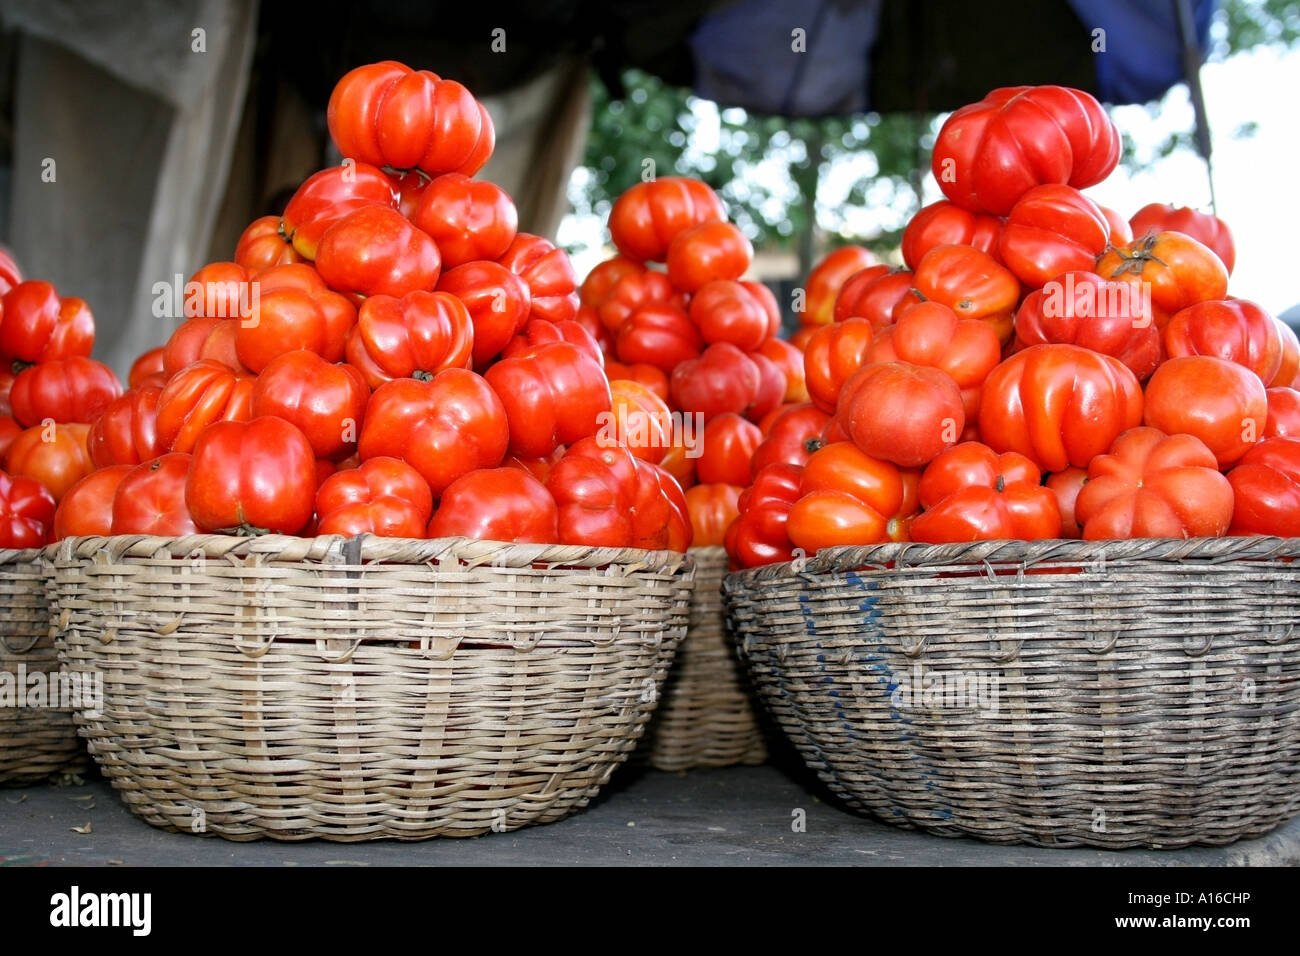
column 342, row 656
column 4, row 640
column 253, row 651
column 439, row 648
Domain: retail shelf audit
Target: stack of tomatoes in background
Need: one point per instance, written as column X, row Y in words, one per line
column 1035, row 371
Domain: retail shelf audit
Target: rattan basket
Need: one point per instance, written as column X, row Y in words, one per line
column 356, row 689
column 37, row 740
column 1060, row 693
column 707, row 715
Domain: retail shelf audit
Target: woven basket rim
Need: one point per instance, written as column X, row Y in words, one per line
column 1025, row 553
column 20, row 555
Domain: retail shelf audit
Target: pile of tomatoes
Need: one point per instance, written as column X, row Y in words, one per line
column 1034, row 371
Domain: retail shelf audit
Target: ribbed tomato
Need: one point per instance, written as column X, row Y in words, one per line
column 1178, row 271
column 498, row 303
column 1234, row 329
column 944, row 223
column 554, row 394
column 151, row 498
column 972, row 493
column 1222, row 403
column 197, row 396
column 1204, row 227
column 63, row 390
column 416, row 336
column 294, row 310
column 548, row 273
column 846, row 497
column 468, row 219
column 262, row 247
column 327, row 197
column 648, row 216
column 127, row 432
column 1266, row 489
column 252, row 477
column 326, row 402
column 382, row 496
column 901, row 413
column 832, row 355
column 497, row 504
column 827, row 278
column 87, row 508
column 712, row 509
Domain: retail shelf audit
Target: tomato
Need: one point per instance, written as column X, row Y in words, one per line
column 1082, row 308
column 790, row 362
column 10, row 274
column 1066, row 485
column 548, row 273
column 554, row 394
column 262, row 247
column 833, row 354
column 771, row 387
column 1052, row 229
column 1121, row 234
column 846, row 498
column 294, row 310
column 1283, row 413
column 377, row 251
column 589, row 319
column 444, row 428
column 127, row 432
column 633, row 292
column 26, row 512
column 729, row 444
column 872, row 294
column 151, row 498
column 54, row 455
column 682, row 454
column 794, row 436
column 1289, row 373
column 328, row 197
column 1204, row 227
column 1233, row 329
column 760, row 534
column 416, row 336
column 827, row 278
column 708, row 252
column 723, row 379
column 383, row 496
column 202, row 338
column 601, row 280
column 1220, row 402
column 196, row 397
column 969, row 282
column 735, row 312
column 39, row 325
column 540, row 331
column 146, row 367
column 972, row 493
column 325, row 402
column 497, row 504
column 63, row 390
column 539, row 468
column 1266, row 489
column 468, row 219
column 659, row 334
column 641, row 372
column 1179, row 271
column 252, row 477
column 387, row 114
column 662, row 511
column 1153, row 485
column 639, row 420
column 9, row 430
column 219, row 290
column 901, row 413
column 498, row 303
column 712, row 509
column 946, row 224
column 990, row 153
column 650, row 215
column 87, row 508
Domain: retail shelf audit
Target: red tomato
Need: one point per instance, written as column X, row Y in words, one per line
column 846, row 497
column 708, row 252
column 144, row 368
column 601, row 280
column 295, row 310
column 383, row 496
column 1179, row 270
column 1059, row 405
column 723, row 379
column 548, row 273
column 9, row 430
column 539, row 468
column 63, row 390
column 946, row 224
column 220, row 290
column 416, row 336
column 1204, row 227
column 771, row 387
column 1289, row 373
column 641, row 372
column 539, row 332
column 1232, row 329
column 26, row 512
column 1052, row 229
column 87, row 508
column 730, row 311
column 127, row 432
column 329, row 196
column 1066, row 485
column 497, row 504
column 262, row 247
column 325, row 402
column 827, row 278
column 971, row 493
column 468, row 219
column 760, row 535
column 990, row 153
column 632, row 292
column 659, row 334
column 498, row 303
column 872, row 294
column 387, row 114
column 681, row 457
column 793, row 437
column 444, row 428
column 151, row 498
column 1266, row 489
column 589, row 319
column 729, row 444
column 649, row 216
column 377, row 251
column 1283, row 413
column 252, row 477
column 1219, row 402
column 640, row 421
column 1120, row 232
column 202, row 338
column 969, row 282
column 789, row 359
column 40, row 325
column 901, row 413
column 833, row 354
column 196, row 397
column 1154, row 485
column 712, row 509
column 54, row 455
column 554, row 394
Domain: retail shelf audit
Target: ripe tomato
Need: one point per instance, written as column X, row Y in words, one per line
column 325, row 402
column 1266, row 489
column 640, row 372
column 127, row 432
column 602, row 279
column 729, row 444
column 219, row 290
column 827, row 278
column 1059, row 405
column 901, row 413
column 723, row 379
column 548, row 273
column 1052, row 229
column 990, row 153
column 252, row 477
column 659, row 334
column 708, row 252
column 648, row 216
column 197, row 396
column 468, row 219
column 846, row 497
column 971, row 493
column 589, row 319
column 444, row 428
column 1121, row 234
column 789, row 359
column 1153, row 485
column 969, row 282
column 294, row 310
column 498, row 303
column 632, row 292
column 387, row 114
column 1283, row 413
column 1204, row 227
column 1066, row 485
column 329, row 196
column 40, row 325
column 416, row 336
column 794, row 436
column 639, row 420
column 261, row 247
column 377, row 251
column 554, row 394
column 1180, row 271
column 946, row 224
column 383, row 496
column 151, row 498
column 1082, row 308
column 202, row 338
column 146, row 367
column 833, row 354
column 683, row 453
column 54, row 455
column 9, row 430
column 1288, row 373
column 1233, row 329
column 760, row 534
column 87, row 508
column 712, row 509
column 873, row 294
column 540, row 331
column 735, row 312
column 65, row 390
column 1220, row 402
column 26, row 512
column 497, row 504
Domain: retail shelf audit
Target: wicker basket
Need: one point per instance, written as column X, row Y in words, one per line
column 356, row 689
column 36, row 740
column 1113, row 694
column 706, row 717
